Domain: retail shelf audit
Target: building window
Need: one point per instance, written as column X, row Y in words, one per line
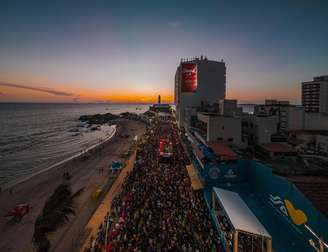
column 230, row 139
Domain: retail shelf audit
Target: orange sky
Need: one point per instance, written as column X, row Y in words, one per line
column 129, row 92
column 129, row 96
column 10, row 94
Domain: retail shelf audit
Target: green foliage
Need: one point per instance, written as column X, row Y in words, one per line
column 54, row 214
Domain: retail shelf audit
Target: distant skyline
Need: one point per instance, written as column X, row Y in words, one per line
column 128, row 51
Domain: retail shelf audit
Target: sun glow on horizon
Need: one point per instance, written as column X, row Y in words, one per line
column 24, row 93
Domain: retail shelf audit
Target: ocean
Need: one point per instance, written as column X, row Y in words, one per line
column 35, row 136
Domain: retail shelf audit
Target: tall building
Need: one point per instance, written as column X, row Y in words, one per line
column 198, row 82
column 315, row 95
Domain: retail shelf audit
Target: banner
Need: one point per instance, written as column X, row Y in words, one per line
column 189, row 77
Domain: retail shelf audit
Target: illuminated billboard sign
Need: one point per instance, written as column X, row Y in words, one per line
column 189, row 77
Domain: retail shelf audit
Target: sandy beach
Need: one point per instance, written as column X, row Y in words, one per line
column 36, row 190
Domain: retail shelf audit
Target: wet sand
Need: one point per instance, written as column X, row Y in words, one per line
column 36, row 190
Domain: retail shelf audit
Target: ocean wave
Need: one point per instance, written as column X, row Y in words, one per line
column 33, row 137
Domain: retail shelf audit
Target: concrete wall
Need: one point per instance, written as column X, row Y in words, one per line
column 227, row 129
column 324, row 97
column 315, row 121
column 211, row 78
column 258, row 129
column 265, row 127
column 295, row 118
column 298, row 119
column 274, row 108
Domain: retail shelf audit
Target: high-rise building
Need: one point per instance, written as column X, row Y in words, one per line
column 197, row 82
column 315, row 95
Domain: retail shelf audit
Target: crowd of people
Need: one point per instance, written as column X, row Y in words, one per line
column 156, row 208
column 226, row 229
column 250, row 243
column 246, row 242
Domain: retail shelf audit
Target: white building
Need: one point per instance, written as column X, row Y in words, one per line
column 315, row 121
column 291, row 117
column 215, row 127
column 298, row 119
column 295, row 117
column 209, row 88
column 274, row 108
column 315, row 95
column 259, row 129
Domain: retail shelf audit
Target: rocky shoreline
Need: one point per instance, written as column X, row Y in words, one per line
column 109, row 118
column 99, row 118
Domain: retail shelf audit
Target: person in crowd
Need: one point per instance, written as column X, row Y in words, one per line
column 156, row 208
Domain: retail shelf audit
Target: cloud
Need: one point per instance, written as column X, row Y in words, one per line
column 2, row 93
column 40, row 89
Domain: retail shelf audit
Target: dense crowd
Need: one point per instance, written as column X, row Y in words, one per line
column 226, row 229
column 250, row 243
column 246, row 242
column 157, row 209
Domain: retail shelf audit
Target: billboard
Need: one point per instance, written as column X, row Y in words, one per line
column 189, row 77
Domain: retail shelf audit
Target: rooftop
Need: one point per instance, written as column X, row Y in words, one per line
column 222, row 150
column 321, row 78
column 197, row 59
column 277, row 147
column 213, row 114
column 309, row 132
column 240, row 215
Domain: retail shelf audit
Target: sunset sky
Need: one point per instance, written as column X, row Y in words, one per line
column 128, row 51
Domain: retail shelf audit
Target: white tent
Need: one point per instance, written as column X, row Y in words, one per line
column 241, row 217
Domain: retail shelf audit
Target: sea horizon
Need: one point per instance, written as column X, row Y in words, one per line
column 105, row 103
column 35, row 136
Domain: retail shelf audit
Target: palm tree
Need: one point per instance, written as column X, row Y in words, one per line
column 54, row 214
